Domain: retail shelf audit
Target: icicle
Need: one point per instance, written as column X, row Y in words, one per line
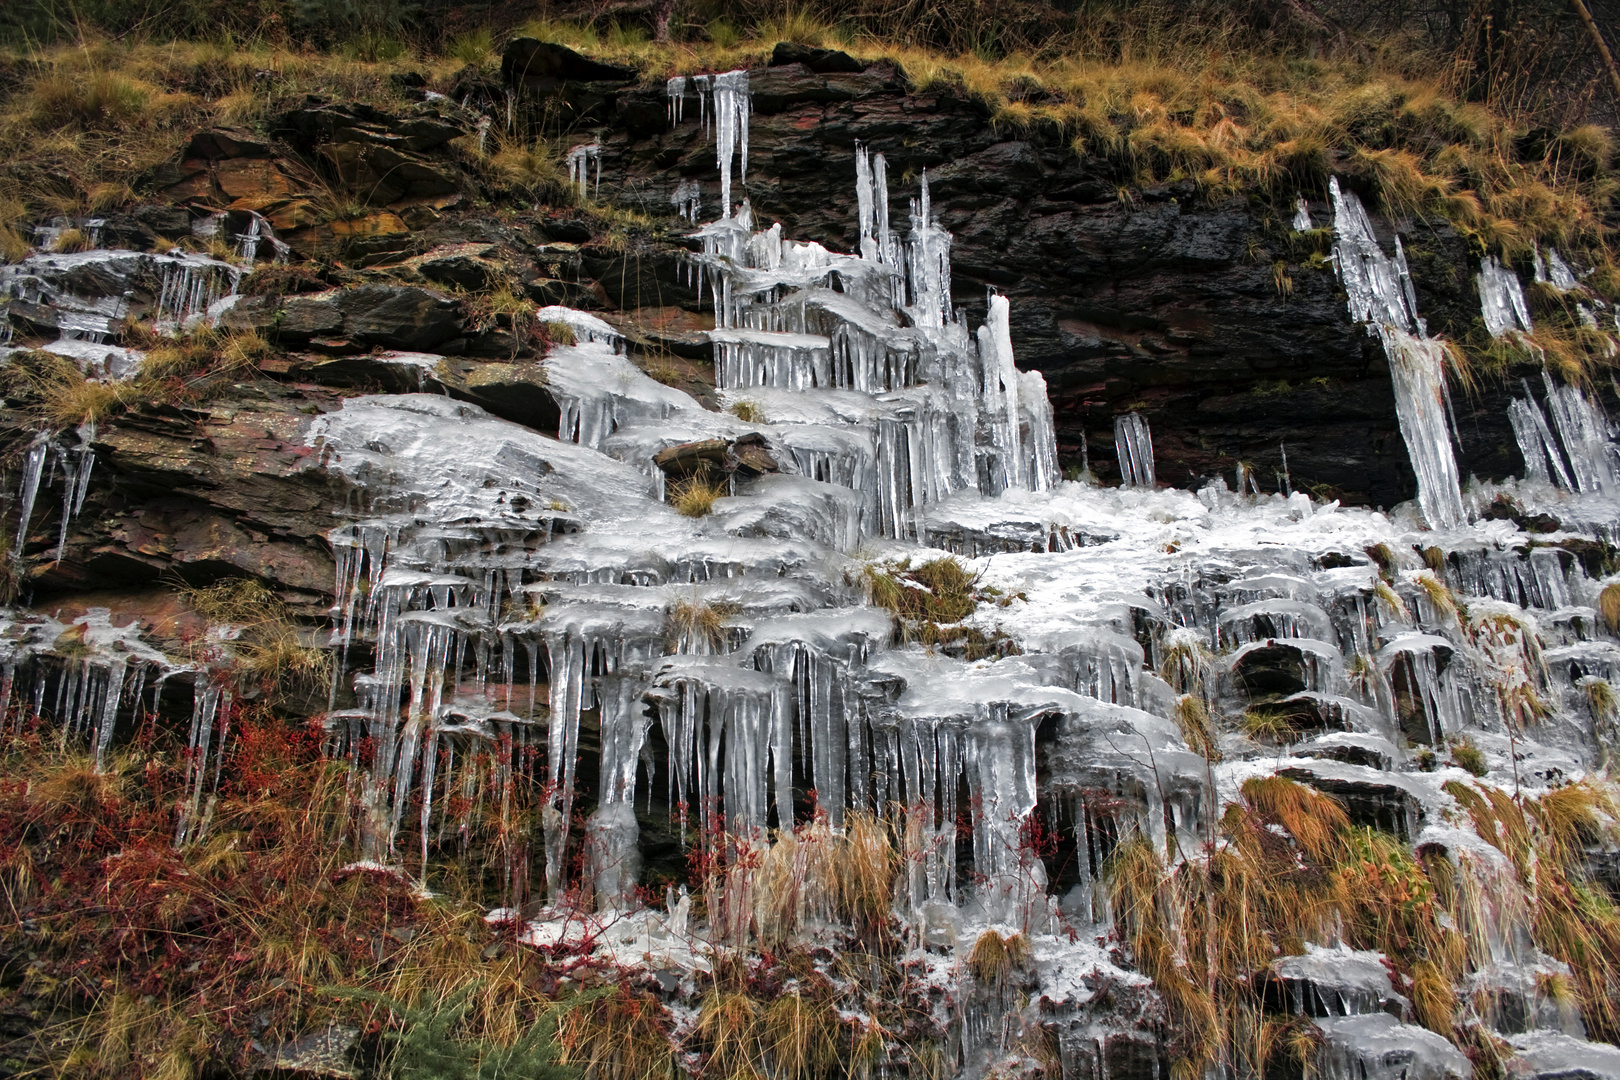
column 1501, row 299
column 1133, row 441
column 732, row 105
column 1302, row 215
column 675, row 91
column 33, row 470
column 580, row 159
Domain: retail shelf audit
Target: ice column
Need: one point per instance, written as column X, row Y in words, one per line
column 1134, row 442
column 929, row 257
column 1585, row 434
column 1380, row 294
column 731, row 108
column 995, row 346
column 580, row 159
column 1501, row 300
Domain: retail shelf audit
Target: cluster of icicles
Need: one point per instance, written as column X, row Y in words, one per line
column 1583, row 457
column 498, row 630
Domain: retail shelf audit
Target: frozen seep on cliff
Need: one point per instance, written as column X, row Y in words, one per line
column 860, row 611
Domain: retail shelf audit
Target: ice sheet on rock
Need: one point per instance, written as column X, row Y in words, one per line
column 687, row 198
column 1585, row 433
column 1380, row 1047
column 580, row 159
column 587, row 328
column 1336, row 981
column 786, row 507
column 1543, row 460
column 393, row 447
column 1302, row 215
column 1501, row 299
column 1553, row 271
column 1417, row 367
column 598, row 391
column 1545, row 1055
column 1134, row 443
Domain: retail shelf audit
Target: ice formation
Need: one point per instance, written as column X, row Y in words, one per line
column 524, row 609
column 1501, row 299
column 1382, row 297
column 579, row 160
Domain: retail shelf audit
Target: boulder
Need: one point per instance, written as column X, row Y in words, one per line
column 544, row 65
column 391, row 316
column 823, row 61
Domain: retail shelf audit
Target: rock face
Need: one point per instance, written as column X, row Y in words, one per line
column 1204, row 314
column 202, row 493
column 1210, row 316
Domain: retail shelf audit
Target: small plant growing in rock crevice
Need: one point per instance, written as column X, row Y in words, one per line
column 695, row 496
column 747, row 411
column 1465, row 755
column 269, row 651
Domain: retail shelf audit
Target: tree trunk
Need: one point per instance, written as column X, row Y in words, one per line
column 1602, row 46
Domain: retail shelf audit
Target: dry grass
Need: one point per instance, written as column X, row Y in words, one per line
column 994, row 958
column 815, row 875
column 90, row 120
column 1609, row 607
column 1161, row 95
column 747, row 411
column 55, row 392
column 270, row 651
column 695, row 496
column 696, row 627
column 1169, row 97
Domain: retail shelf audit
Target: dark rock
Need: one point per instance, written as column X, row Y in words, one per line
column 746, row 455
column 221, row 143
column 568, row 230
column 549, row 291
column 513, row 391
column 398, row 318
column 224, row 489
column 544, row 65
column 385, row 174
column 169, row 222
column 290, row 320
column 824, row 61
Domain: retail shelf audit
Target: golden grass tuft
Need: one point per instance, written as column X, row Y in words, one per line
column 1312, row 818
column 1440, row 597
column 1197, row 730
column 270, row 650
column 747, row 411
column 694, row 626
column 1609, row 606
column 1465, row 755
column 801, row 1037
column 72, row 240
column 57, row 394
column 994, row 958
column 695, row 496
